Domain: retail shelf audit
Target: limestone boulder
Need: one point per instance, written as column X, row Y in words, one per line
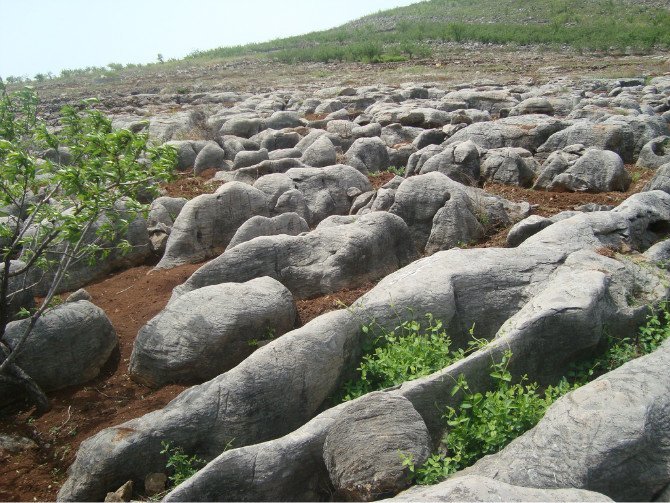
column 525, row 131
column 584, row 170
column 69, row 345
column 337, row 255
column 291, row 224
column 390, row 427
column 207, row 223
column 210, row 330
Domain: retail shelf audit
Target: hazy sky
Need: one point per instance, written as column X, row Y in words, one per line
column 40, row 36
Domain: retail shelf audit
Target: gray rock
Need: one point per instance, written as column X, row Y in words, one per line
column 123, row 493
column 526, row 228
column 210, row 157
column 69, row 345
column 16, row 443
column 492, row 101
column 509, row 166
column 245, row 159
column 399, row 156
column 429, row 137
column 232, row 145
column 155, row 483
column 20, row 291
column 594, row 170
column 525, row 131
column 535, row 105
column 397, row 134
column 210, row 330
column 286, row 223
column 279, row 140
column 661, row 179
column 419, row 200
column 285, row 153
column 326, row 260
column 478, row 488
column 325, row 190
column 284, row 119
column 243, row 127
column 655, row 153
column 186, row 154
column 81, row 272
column 309, row 139
column 368, row 131
column 458, row 161
column 389, row 427
column 284, row 384
column 342, row 128
column 208, row 222
column 575, row 299
column 164, row 210
column 293, row 201
column 319, row 154
column 368, row 155
column 328, row 106
column 623, row 419
column 454, row 224
column 659, row 253
column 621, row 134
column 80, row 294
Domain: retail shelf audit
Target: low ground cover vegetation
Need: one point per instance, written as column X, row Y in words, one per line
column 484, row 423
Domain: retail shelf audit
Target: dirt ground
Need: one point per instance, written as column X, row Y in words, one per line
column 130, row 298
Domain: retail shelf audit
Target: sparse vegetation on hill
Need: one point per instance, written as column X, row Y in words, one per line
column 417, row 30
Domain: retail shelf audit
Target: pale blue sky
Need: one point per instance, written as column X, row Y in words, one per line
column 40, row 36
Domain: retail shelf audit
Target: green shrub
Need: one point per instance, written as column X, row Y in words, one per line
column 484, row 423
column 410, row 351
column 180, row 465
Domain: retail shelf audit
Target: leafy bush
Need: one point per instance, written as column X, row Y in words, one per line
column 410, row 351
column 484, row 423
column 180, row 465
column 62, row 212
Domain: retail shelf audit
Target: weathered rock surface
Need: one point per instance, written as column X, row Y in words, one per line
column 69, row 345
column 207, row 223
column 525, row 131
column 210, row 330
column 584, row 170
column 388, row 425
column 552, row 292
column 368, row 155
column 621, row 134
column 332, row 257
column 437, row 223
column 478, row 488
column 509, row 166
column 286, row 223
column 655, row 153
column 609, row 436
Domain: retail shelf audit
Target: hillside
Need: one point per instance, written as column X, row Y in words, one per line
column 420, row 29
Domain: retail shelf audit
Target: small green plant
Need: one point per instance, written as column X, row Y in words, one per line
column 252, row 343
column 483, row 423
column 181, row 465
column 410, row 351
column 396, row 170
